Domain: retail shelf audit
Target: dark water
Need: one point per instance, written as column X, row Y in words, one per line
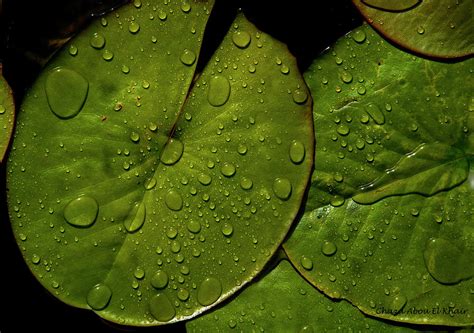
column 30, row 32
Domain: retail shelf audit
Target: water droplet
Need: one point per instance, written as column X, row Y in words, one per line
column 81, row 212
column 204, row 179
column 73, row 50
column 193, row 226
column 337, row 201
column 150, row 184
column 133, row 27
column 219, row 90
column 328, row 248
column 185, row 6
column 447, row 263
column 375, row 113
column 307, row 329
column 107, row 55
column 159, row 280
column 183, row 294
column 97, row 41
column 66, row 92
column 359, row 36
column 343, row 130
column 420, row 30
column 99, row 297
column 209, row 291
column 228, row 169
column 162, row 15
column 361, row 89
column 346, row 77
column 227, row 229
column 172, row 152
column 242, row 149
column 35, row 259
column 139, row 273
column 246, row 183
column 284, row 69
column 300, row 96
column 161, row 308
column 282, row 188
column 188, row 57
column 393, row 6
column 306, row 262
column 241, row 39
column 136, row 218
column 135, row 137
column 173, row 200
column 297, row 152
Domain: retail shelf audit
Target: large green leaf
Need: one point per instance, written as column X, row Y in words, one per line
column 441, row 28
column 282, row 301
column 388, row 222
column 142, row 198
column 7, row 115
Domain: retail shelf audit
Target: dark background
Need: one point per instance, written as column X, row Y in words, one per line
column 30, row 32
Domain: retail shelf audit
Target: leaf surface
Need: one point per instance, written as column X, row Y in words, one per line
column 387, row 224
column 442, row 29
column 7, row 115
column 148, row 194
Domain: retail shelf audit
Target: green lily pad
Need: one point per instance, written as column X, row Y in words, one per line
column 143, row 193
column 7, row 115
column 443, row 28
column 282, row 301
column 387, row 224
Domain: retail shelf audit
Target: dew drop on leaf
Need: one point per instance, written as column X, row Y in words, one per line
column 359, row 36
column 173, row 200
column 161, row 308
column 204, row 179
column 300, row 96
column 228, row 169
column 81, row 212
column 159, row 280
column 136, row 218
column 328, row 248
column 97, row 41
column 375, row 113
column 297, row 152
column 282, row 188
column 99, row 297
column 66, row 92
column 219, row 90
column 227, row 229
column 306, row 262
column 246, row 183
column 241, row 39
column 188, row 57
column 133, row 27
column 172, row 152
column 193, row 226
column 209, row 291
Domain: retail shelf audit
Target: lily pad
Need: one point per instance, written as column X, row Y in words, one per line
column 148, row 195
column 391, row 198
column 282, row 301
column 7, row 115
column 443, row 28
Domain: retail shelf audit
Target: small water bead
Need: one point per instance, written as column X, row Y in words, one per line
column 337, row 201
column 107, row 55
column 188, row 57
column 306, row 262
column 300, row 96
column 359, row 36
column 175, row 247
column 284, row 69
column 361, row 89
column 81, row 212
column 297, row 152
column 73, row 50
column 346, row 77
column 246, row 183
column 66, row 92
column 162, row 15
column 161, row 308
column 242, row 149
column 125, row 69
column 104, row 22
column 135, row 137
column 35, row 259
column 343, row 130
column 228, row 169
column 219, row 90
column 282, row 188
column 97, row 41
column 172, row 152
column 139, row 273
column 209, row 291
column 99, row 297
column 136, row 218
column 241, row 39
column 133, row 27
column 183, row 294
column 185, row 6
column 227, row 229
column 328, row 248
column 173, row 200
column 204, row 179
column 159, row 280
column 2, row 109
column 193, row 226
column 420, row 30
column 375, row 113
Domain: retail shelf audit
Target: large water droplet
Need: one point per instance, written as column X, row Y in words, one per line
column 161, row 308
column 159, row 280
column 392, row 5
column 241, row 39
column 297, row 152
column 246, row 183
column 99, row 297
column 228, row 169
column 359, row 36
column 172, row 152
column 66, row 92
column 282, row 188
column 133, row 27
column 204, row 179
column 375, row 113
column 136, row 218
column 193, row 226
column 328, row 248
column 219, row 90
column 188, row 57
column 97, row 41
column 446, row 263
column 227, row 229
column 173, row 200
column 209, row 291
column 300, row 96
column 306, row 262
column 81, row 212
